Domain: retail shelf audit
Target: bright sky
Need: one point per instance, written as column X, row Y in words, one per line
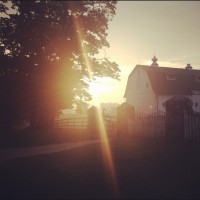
column 140, row 29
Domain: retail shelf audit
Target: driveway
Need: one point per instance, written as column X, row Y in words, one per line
column 39, row 150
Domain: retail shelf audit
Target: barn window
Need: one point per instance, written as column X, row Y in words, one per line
column 196, row 104
column 171, row 77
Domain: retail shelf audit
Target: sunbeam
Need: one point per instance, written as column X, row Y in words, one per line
column 106, row 149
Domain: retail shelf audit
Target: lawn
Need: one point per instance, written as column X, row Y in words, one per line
column 144, row 168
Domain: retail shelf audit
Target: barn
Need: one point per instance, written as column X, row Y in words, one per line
column 150, row 87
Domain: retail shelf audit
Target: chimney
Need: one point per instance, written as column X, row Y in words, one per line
column 154, row 64
column 188, row 67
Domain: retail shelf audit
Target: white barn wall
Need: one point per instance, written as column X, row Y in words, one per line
column 196, row 99
column 161, row 100
column 140, row 93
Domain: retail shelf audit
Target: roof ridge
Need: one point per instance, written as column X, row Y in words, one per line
column 161, row 67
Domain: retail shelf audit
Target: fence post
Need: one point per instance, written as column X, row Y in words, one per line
column 124, row 113
column 93, row 126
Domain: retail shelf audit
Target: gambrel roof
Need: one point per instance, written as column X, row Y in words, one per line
column 171, row 81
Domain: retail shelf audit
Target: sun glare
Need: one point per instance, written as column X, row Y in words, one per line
column 95, row 89
column 98, row 89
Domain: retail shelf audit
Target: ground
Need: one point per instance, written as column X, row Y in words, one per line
column 144, row 168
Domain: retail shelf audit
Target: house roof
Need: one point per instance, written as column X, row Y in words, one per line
column 183, row 81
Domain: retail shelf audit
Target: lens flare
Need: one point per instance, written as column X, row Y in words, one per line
column 106, row 154
column 106, row 149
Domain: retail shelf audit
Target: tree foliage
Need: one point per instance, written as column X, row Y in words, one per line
column 44, row 35
column 54, row 44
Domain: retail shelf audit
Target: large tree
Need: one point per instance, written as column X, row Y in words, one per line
column 52, row 47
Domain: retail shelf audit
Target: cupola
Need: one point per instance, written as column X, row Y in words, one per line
column 188, row 67
column 154, row 63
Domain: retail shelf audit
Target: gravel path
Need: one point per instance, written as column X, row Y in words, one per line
column 39, row 150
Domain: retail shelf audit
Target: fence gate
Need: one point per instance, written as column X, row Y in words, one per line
column 110, row 124
column 71, row 123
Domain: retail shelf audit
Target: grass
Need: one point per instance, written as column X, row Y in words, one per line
column 150, row 169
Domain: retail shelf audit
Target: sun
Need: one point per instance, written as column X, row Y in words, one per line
column 95, row 89
column 99, row 90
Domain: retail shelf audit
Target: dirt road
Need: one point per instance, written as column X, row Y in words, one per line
column 39, row 150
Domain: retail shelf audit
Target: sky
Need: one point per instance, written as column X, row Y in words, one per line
column 170, row 30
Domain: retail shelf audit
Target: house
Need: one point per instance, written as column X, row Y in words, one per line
column 149, row 87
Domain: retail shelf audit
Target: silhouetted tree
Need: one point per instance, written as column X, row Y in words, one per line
column 51, row 45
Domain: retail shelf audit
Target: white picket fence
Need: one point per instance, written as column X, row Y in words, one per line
column 191, row 127
column 153, row 125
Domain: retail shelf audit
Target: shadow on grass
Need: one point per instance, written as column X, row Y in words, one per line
column 149, row 169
